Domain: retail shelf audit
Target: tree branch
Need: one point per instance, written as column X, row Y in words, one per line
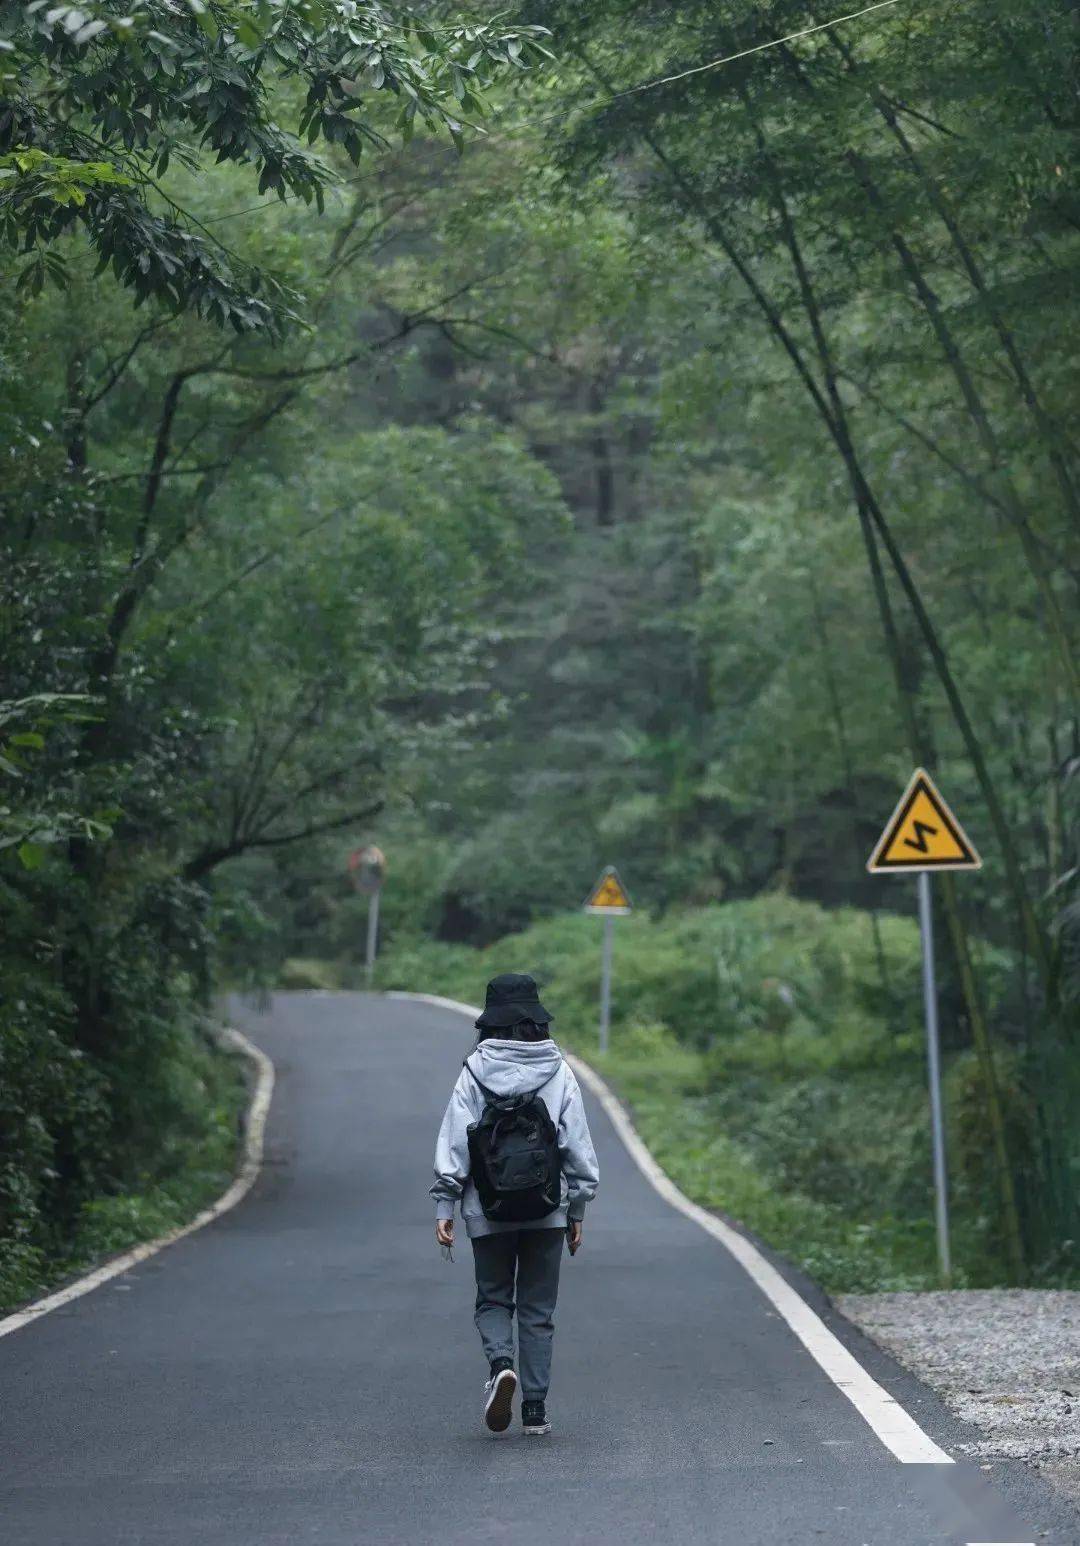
column 116, row 367
column 210, row 858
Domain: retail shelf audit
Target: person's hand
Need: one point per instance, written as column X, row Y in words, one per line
column 444, row 1231
column 573, row 1236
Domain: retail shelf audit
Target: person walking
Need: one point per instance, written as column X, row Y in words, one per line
column 514, row 1149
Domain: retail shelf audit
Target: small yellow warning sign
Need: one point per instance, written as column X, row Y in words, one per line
column 923, row 833
column 609, row 895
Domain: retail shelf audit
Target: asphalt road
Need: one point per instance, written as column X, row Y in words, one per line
column 306, row 1369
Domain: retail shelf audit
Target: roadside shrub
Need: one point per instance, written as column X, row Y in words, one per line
column 305, row 975
column 106, row 1101
column 772, row 1053
column 54, row 1113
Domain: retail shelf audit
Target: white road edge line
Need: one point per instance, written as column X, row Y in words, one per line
column 255, row 1129
column 897, row 1431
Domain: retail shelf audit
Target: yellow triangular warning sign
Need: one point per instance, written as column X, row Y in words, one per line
column 923, row 833
column 609, row 894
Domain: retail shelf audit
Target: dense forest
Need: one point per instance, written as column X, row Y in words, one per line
column 534, row 440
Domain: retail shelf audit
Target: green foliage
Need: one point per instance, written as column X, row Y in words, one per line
column 303, row 975
column 53, row 1111
column 653, row 486
column 843, row 1251
column 744, row 981
column 149, row 1111
column 760, row 1053
column 200, row 1162
column 26, row 826
column 153, row 82
column 201, row 673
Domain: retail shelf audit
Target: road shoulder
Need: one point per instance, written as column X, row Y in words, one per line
column 1006, row 1363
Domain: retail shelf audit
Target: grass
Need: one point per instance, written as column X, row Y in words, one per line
column 202, row 1161
column 771, row 1055
column 687, row 1133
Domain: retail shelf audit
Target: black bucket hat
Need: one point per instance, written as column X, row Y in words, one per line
column 510, row 998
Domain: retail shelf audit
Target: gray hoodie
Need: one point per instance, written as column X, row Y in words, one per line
column 510, row 1067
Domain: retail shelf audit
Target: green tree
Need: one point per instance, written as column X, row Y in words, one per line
column 99, row 98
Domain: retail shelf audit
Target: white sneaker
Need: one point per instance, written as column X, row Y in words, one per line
column 499, row 1391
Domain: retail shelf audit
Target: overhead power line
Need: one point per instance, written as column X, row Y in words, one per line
column 744, row 53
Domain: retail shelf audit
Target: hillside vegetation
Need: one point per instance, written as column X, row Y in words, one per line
column 773, row 1060
column 533, row 440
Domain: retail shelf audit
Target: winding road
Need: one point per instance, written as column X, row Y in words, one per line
column 305, row 1368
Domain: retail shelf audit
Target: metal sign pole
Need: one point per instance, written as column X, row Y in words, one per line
column 605, row 981
column 923, row 834
column 609, row 899
column 372, row 934
column 933, row 1057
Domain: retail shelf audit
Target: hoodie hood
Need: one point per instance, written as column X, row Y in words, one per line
column 514, row 1067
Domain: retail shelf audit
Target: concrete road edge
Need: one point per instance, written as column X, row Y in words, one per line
column 250, row 1166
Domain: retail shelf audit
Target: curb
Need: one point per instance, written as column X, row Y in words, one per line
column 251, row 1164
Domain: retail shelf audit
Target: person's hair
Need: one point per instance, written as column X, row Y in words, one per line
column 524, row 1030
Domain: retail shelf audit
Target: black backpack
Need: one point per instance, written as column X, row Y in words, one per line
column 514, row 1156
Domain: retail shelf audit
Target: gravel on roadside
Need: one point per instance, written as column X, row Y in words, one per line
column 1006, row 1360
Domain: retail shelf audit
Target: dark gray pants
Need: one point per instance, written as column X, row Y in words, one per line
column 535, row 1256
